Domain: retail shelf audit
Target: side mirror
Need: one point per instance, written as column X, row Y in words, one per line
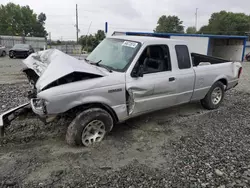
column 138, row 71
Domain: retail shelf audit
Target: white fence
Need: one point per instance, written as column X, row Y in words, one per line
column 36, row 42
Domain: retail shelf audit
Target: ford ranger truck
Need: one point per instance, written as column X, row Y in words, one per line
column 123, row 77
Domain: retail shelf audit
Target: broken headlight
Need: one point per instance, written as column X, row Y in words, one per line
column 40, row 104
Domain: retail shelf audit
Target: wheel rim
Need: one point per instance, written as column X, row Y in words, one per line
column 216, row 95
column 11, row 54
column 93, row 132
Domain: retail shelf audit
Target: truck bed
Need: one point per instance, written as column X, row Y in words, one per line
column 198, row 58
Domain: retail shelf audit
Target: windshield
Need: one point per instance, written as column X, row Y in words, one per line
column 21, row 46
column 116, row 54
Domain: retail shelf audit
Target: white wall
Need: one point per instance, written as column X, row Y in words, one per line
column 230, row 49
column 247, row 50
column 196, row 44
column 210, row 47
column 232, row 52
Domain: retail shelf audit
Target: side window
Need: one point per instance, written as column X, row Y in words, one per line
column 155, row 58
column 183, row 57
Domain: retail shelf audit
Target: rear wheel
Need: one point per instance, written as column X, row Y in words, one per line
column 214, row 97
column 89, row 127
column 4, row 54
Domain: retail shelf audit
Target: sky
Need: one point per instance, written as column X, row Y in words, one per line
column 123, row 15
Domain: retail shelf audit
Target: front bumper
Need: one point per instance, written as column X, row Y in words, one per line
column 41, row 112
column 21, row 53
column 10, row 115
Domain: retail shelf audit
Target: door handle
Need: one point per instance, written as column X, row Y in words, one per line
column 171, row 79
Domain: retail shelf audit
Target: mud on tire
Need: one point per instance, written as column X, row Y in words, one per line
column 79, row 130
column 209, row 102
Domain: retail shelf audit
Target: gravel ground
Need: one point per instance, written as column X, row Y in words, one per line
column 184, row 146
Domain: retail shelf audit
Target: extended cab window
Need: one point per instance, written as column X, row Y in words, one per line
column 183, row 57
column 155, row 58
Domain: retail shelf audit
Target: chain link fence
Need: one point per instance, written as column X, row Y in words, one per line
column 72, row 49
column 38, row 43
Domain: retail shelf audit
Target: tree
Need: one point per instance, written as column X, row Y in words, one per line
column 227, row 23
column 100, row 35
column 41, row 18
column 204, row 30
column 58, row 42
column 91, row 41
column 191, row 30
column 21, row 20
column 170, row 24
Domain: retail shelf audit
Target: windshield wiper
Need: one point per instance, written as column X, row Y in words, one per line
column 101, row 65
column 86, row 60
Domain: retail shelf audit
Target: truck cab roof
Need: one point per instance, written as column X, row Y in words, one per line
column 149, row 40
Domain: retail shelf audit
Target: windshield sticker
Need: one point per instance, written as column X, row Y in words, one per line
column 130, row 44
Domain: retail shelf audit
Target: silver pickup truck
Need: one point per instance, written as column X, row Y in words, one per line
column 125, row 76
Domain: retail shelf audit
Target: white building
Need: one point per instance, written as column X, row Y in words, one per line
column 228, row 47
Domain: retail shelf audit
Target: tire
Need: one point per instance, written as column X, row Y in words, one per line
column 3, row 53
column 214, row 97
column 11, row 54
column 89, row 127
column 248, row 58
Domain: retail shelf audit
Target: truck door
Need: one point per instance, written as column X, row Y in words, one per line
column 157, row 88
column 185, row 75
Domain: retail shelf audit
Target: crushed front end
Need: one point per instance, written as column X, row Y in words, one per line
column 47, row 70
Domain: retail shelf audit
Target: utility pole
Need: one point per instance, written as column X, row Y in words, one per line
column 196, row 16
column 77, row 30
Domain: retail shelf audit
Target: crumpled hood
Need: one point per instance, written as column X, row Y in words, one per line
column 51, row 65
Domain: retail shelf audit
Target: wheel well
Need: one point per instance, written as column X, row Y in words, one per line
column 223, row 80
column 94, row 105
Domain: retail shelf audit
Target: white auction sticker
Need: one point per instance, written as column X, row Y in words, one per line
column 129, row 44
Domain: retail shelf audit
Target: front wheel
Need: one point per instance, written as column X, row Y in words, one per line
column 214, row 97
column 89, row 127
column 11, row 54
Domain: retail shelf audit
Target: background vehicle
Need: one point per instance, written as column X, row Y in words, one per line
column 123, row 77
column 248, row 57
column 2, row 51
column 21, row 50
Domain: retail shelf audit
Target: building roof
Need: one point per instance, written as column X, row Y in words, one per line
column 167, row 35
